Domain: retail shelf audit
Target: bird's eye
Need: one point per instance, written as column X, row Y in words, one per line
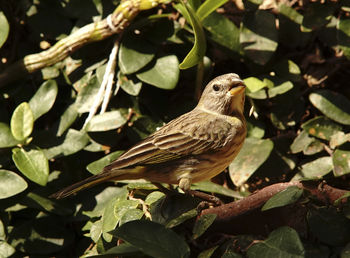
column 216, row 87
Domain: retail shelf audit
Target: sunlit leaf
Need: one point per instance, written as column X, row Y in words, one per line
column 22, row 122
column 315, row 169
column 131, row 50
column 198, row 50
column 33, row 164
column 74, row 141
column 6, row 137
column 341, row 158
column 333, row 105
column 208, row 7
column 67, row 119
column 163, row 74
column 129, row 85
column 254, row 84
column 44, row 98
column 97, row 166
column 301, row 142
column 273, row 92
column 114, row 211
column 106, row 121
column 321, row 127
column 11, row 184
column 252, row 155
column 86, row 96
column 4, row 29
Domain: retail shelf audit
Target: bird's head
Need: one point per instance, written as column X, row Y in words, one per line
column 224, row 95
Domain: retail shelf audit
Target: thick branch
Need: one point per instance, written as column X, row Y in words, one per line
column 245, row 216
column 115, row 23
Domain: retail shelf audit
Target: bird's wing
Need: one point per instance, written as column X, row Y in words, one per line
column 186, row 135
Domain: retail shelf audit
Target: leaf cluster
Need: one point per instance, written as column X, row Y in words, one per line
column 294, row 59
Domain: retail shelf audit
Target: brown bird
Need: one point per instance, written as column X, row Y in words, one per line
column 193, row 147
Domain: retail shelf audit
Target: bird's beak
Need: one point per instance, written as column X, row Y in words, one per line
column 237, row 89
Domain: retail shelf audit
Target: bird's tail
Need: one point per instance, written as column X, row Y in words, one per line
column 94, row 180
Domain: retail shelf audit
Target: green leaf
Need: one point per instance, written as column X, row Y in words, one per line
column 50, row 72
column 259, row 42
column 96, row 230
column 255, row 128
column 332, row 104
column 329, row 226
column 314, row 147
column 120, row 250
column 97, row 166
column 252, row 155
column 283, row 198
column 113, row 213
column 182, row 218
column 22, row 122
column 341, row 162
column 6, row 250
column 208, row 253
column 133, row 56
column 67, row 119
column 153, row 239
column 103, row 198
column 282, row 242
column 4, row 29
column 315, row 169
column 163, row 74
column 33, row 164
column 301, row 142
column 86, row 96
column 129, row 85
column 343, row 35
column 321, row 127
column 74, row 141
column 11, row 184
column 273, row 92
column 254, row 84
column 44, row 235
column 6, row 137
column 202, row 224
column 291, row 31
column 130, row 215
column 338, row 139
column 198, row 50
column 208, row 186
column 288, row 70
column 222, row 31
column 106, row 121
column 208, row 7
column 37, row 201
column 44, row 98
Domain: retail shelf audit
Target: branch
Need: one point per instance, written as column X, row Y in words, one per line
column 114, row 23
column 245, row 216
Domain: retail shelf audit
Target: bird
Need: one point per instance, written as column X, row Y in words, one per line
column 196, row 146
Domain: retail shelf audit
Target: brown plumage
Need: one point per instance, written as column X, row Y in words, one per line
column 193, row 147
